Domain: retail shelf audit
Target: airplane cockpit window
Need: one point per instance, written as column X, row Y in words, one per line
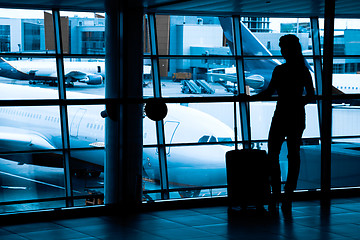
column 204, row 139
column 207, row 138
column 212, row 139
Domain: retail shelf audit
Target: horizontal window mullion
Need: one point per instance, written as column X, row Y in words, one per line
column 53, row 102
column 196, row 56
column 186, row 188
column 220, row 143
column 50, row 199
column 52, row 150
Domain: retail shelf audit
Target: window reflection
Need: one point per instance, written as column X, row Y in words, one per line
column 345, row 162
column 31, row 176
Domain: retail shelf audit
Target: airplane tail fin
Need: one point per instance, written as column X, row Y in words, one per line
column 251, row 45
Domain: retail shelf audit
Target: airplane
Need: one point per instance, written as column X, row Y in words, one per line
column 38, row 128
column 44, row 71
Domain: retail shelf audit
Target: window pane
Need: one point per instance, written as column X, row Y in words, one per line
column 83, row 32
column 151, row 174
column 198, row 77
column 85, row 75
column 194, row 35
column 346, row 35
column 26, row 31
column 189, row 123
column 197, row 166
column 30, row 128
column 86, row 126
column 17, row 73
column 149, row 131
column 31, row 176
column 345, row 121
column 258, row 73
column 345, row 76
column 261, row 115
column 148, row 88
column 146, row 32
column 261, row 35
column 87, row 168
column 345, row 162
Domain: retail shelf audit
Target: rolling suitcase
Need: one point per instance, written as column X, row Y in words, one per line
column 247, row 178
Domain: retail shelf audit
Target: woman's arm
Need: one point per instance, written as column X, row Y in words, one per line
column 308, row 87
column 269, row 91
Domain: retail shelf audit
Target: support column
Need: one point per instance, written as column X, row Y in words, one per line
column 123, row 83
column 326, row 110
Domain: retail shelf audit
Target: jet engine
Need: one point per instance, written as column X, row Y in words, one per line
column 93, row 79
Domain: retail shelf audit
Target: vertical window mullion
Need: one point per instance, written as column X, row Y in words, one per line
column 244, row 106
column 160, row 132
column 63, row 107
column 315, row 33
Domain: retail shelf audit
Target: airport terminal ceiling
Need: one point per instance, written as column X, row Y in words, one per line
column 305, row 8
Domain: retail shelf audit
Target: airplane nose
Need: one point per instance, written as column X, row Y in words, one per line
column 198, row 166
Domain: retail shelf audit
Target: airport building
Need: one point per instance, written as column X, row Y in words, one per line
column 90, row 148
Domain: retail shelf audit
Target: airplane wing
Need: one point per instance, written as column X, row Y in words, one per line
column 89, row 78
column 22, row 140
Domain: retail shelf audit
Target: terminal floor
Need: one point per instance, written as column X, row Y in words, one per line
column 308, row 221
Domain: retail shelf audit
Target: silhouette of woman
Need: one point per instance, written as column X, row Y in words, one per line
column 289, row 81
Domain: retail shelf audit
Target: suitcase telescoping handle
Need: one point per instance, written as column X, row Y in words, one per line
column 244, row 121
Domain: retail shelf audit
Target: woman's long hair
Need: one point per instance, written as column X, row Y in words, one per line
column 291, row 44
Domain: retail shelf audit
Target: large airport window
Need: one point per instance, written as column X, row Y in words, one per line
column 38, row 159
column 196, row 57
column 215, row 62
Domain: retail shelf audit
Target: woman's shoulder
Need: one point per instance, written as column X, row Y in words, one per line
column 280, row 68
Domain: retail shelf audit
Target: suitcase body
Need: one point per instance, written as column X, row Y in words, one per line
column 247, row 177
